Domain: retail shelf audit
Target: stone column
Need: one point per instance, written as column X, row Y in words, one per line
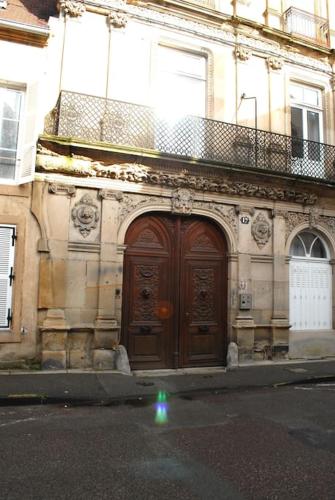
column 244, row 324
column 106, row 330
column 54, row 333
column 279, row 322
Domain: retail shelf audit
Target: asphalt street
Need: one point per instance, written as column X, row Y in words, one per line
column 265, row 443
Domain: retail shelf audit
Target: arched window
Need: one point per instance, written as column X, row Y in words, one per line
column 310, row 283
column 308, row 244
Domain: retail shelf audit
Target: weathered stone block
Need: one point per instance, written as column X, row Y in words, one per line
column 106, row 339
column 54, row 360
column 104, row 359
column 80, row 359
column 54, row 340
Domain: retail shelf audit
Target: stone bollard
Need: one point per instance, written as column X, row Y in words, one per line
column 232, row 355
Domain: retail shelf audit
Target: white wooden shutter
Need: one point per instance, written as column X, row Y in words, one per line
column 7, row 241
column 28, row 136
column 310, row 295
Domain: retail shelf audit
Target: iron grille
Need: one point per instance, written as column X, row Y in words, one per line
column 96, row 119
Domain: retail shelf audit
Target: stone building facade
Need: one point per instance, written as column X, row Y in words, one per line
column 183, row 191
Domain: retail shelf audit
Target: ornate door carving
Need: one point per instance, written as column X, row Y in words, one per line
column 174, row 294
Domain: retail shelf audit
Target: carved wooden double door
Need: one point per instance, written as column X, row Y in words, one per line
column 174, row 292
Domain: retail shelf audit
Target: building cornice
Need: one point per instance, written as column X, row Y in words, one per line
column 23, row 33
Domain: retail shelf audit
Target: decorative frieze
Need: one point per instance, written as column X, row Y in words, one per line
column 242, row 53
column 72, row 8
column 142, row 174
column 85, row 215
column 63, row 189
column 261, row 230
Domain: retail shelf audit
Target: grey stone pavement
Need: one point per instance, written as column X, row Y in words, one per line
column 88, row 387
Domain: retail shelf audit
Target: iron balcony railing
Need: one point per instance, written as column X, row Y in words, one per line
column 306, row 25
column 93, row 119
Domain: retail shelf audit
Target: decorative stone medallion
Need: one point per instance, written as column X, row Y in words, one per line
column 85, row 215
column 182, row 201
column 261, row 230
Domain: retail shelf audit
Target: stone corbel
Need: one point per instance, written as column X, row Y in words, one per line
column 117, row 19
column 275, row 63
column 242, row 53
column 62, row 189
column 106, row 194
column 73, row 8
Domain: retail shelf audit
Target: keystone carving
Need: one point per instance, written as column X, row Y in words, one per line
column 72, row 7
column 313, row 219
column 85, row 215
column 261, row 230
column 182, row 201
column 275, row 63
column 242, row 53
column 117, row 19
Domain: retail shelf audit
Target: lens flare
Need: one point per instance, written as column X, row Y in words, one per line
column 161, row 406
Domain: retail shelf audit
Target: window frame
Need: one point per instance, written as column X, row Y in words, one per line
column 19, row 142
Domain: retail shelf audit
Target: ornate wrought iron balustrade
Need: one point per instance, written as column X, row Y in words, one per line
column 124, row 124
column 304, row 24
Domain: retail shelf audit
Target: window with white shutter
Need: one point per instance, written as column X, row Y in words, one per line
column 7, row 250
column 18, row 133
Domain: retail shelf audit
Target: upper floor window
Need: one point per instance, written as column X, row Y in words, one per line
column 180, row 83
column 17, row 134
column 306, row 121
column 10, row 113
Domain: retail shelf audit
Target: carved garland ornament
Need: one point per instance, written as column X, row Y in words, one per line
column 72, row 7
column 261, row 230
column 85, row 167
column 85, row 215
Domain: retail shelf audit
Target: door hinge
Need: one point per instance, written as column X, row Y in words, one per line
column 11, row 277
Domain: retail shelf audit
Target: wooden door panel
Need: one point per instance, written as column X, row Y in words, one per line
column 202, row 312
column 147, row 330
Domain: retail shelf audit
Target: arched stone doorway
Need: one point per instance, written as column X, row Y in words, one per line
column 310, row 283
column 174, row 292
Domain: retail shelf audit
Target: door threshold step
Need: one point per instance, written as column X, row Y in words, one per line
column 180, row 371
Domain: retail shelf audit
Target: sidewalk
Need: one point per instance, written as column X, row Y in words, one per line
column 111, row 387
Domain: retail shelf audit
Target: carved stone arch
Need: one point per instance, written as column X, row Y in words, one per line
column 324, row 233
column 231, row 236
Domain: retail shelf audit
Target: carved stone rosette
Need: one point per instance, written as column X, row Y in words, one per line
column 117, row 19
column 72, row 7
column 182, row 201
column 261, row 230
column 242, row 53
column 85, row 215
